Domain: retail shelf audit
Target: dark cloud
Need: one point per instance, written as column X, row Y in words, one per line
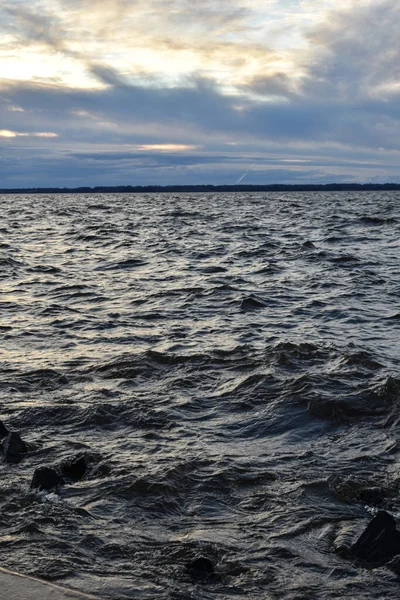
column 121, row 111
column 158, row 158
column 107, row 74
column 36, row 24
column 342, row 116
column 95, row 125
column 357, row 51
column 277, row 84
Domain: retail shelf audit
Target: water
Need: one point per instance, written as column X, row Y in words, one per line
column 231, row 364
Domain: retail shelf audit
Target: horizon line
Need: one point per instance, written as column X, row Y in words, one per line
column 274, row 187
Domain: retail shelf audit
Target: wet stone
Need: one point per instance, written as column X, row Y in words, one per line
column 13, row 447
column 372, row 496
column 380, row 541
column 200, row 568
column 394, row 565
column 344, row 538
column 251, row 303
column 46, row 479
column 75, row 468
column 3, row 430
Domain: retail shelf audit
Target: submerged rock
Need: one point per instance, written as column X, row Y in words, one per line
column 200, row 567
column 13, row 447
column 252, row 303
column 47, row 479
column 380, row 541
column 74, row 469
column 373, row 496
column 343, row 540
column 3, row 430
column 357, row 489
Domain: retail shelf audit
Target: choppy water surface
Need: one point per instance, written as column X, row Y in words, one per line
column 231, row 364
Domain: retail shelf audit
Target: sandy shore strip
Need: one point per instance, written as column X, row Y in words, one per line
column 20, row 587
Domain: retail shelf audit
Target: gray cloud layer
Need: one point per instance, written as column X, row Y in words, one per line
column 339, row 121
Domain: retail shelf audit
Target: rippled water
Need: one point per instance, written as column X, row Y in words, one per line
column 231, row 364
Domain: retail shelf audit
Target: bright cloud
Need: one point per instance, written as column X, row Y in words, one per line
column 166, row 147
column 6, row 133
column 230, row 42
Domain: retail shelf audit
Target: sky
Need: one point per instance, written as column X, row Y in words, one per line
column 159, row 92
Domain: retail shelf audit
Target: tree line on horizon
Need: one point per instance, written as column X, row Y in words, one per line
column 276, row 187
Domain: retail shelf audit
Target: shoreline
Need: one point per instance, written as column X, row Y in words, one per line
column 23, row 587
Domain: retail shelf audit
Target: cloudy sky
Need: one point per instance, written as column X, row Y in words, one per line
column 107, row 92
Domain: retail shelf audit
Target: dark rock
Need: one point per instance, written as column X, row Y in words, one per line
column 3, row 430
column 13, row 447
column 46, row 478
column 394, row 565
column 380, row 541
column 373, row 496
column 200, row 568
column 75, row 468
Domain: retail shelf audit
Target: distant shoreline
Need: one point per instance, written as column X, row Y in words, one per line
column 158, row 189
